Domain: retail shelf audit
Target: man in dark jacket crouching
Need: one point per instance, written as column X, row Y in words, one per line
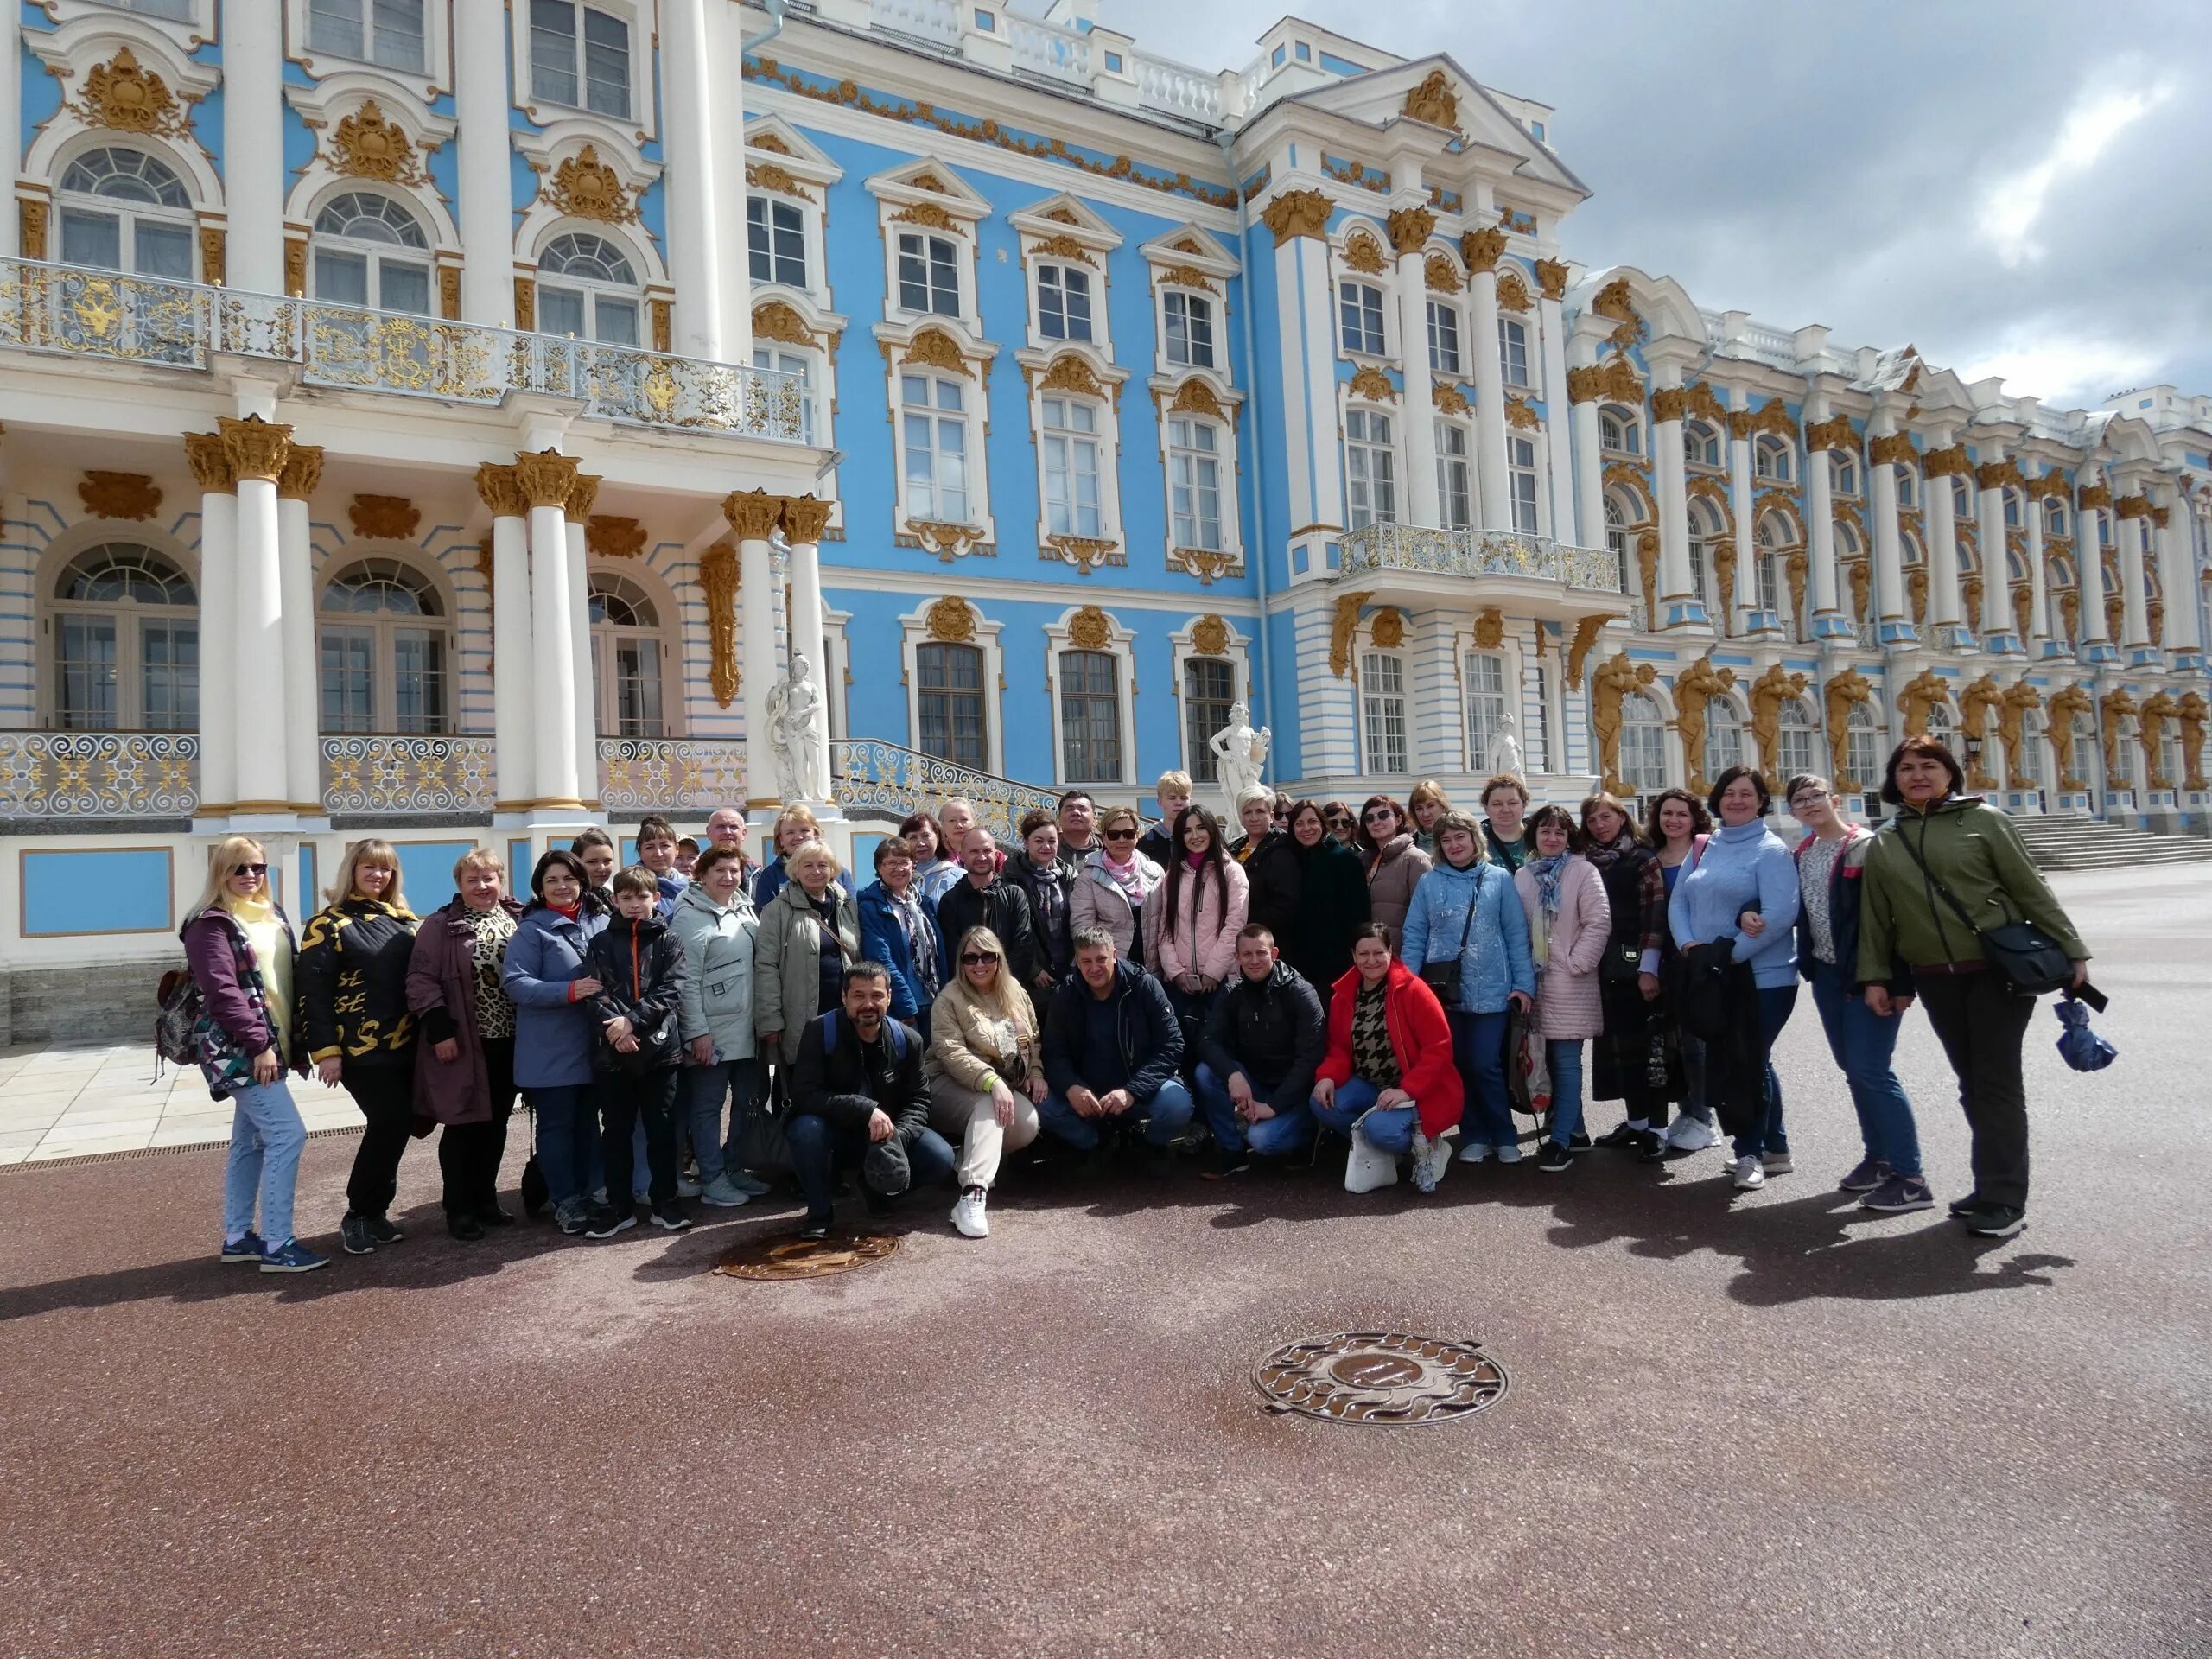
column 1112, row 1044
column 1263, row 1041
column 859, row 1100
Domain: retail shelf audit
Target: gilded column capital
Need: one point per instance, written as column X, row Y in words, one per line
column 1894, row 449
column 2094, row 495
column 1551, row 278
column 2132, row 506
column 211, row 462
column 1996, row 474
column 1481, row 249
column 1669, row 403
column 1831, row 434
column 256, row 447
column 752, row 513
column 1615, row 378
column 546, row 477
column 303, row 472
column 582, row 492
column 804, row 518
column 1298, row 213
column 500, row 489
column 1947, row 463
column 1410, row 229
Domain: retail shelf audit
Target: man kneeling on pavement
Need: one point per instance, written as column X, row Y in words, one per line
column 1112, row 1044
column 859, row 1101
column 1263, row 1041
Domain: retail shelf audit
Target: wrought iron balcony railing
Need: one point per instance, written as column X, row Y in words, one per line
column 886, row 777
column 74, row 310
column 381, row 773
column 1479, row 553
column 99, row 775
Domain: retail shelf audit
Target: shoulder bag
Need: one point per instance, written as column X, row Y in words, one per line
column 1443, row 977
column 2020, row 950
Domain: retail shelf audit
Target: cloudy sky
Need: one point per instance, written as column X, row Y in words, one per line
column 2021, row 188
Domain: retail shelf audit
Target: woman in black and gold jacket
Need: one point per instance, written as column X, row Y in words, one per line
column 352, row 979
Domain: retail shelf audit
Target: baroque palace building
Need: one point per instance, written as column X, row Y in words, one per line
column 446, row 419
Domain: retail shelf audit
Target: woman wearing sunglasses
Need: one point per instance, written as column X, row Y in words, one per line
column 240, row 949
column 1114, row 883
column 985, row 1074
column 1394, row 864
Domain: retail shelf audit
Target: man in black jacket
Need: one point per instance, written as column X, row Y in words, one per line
column 984, row 899
column 859, row 1100
column 1112, row 1044
column 1263, row 1042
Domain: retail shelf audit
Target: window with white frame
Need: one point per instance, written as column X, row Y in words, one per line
column 1194, row 482
column 370, row 250
column 123, row 210
column 801, row 364
column 2088, row 753
column 626, row 659
column 1189, row 319
column 1843, row 473
column 387, row 33
column 1455, row 490
column 775, row 241
column 1383, row 701
column 1486, row 705
column 2030, row 758
column 1769, row 574
column 1643, row 744
column 1908, row 486
column 1359, row 314
column 384, row 645
column 929, row 275
column 1616, row 543
column 1370, row 469
column 933, row 425
column 1795, row 747
column 2054, row 516
column 1063, row 303
column 1513, row 351
column 1724, row 736
column 1443, row 337
column 1537, row 750
column 1700, row 444
column 176, row 10
column 1209, row 690
column 587, row 290
column 125, row 643
column 949, row 704
column 1772, row 462
column 1862, row 746
column 2012, row 508
column 1069, row 444
column 580, row 56
column 1961, row 499
column 1521, row 474
column 1090, row 717
column 1620, row 431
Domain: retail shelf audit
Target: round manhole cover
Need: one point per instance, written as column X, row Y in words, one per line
column 782, row 1256
column 1381, row 1377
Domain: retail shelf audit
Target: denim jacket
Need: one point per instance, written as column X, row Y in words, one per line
column 1495, row 961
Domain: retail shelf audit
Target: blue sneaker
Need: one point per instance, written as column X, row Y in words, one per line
column 249, row 1248
column 292, row 1256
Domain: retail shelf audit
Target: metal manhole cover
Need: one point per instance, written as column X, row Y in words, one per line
column 1381, row 1377
column 782, row 1256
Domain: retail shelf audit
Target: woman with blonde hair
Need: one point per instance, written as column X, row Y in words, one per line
column 1425, row 806
column 987, row 1075
column 1115, row 881
column 352, row 975
column 795, row 828
column 809, row 932
column 239, row 945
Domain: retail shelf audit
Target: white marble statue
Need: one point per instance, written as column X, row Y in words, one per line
column 1240, row 755
column 795, row 734
column 1506, row 750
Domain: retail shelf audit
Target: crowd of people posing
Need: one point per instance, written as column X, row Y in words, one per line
column 1401, row 981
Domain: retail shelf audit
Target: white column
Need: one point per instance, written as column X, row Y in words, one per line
column 752, row 515
column 1314, row 477
column 1892, row 605
column 1999, row 627
column 1483, row 249
column 482, row 99
column 513, row 712
column 1743, row 603
column 1943, row 546
column 584, row 708
column 2089, row 580
column 219, row 619
column 1571, row 523
column 1828, row 620
column 2177, row 581
column 1589, row 472
column 725, row 47
column 253, row 143
column 2038, row 641
column 257, row 452
column 547, row 478
column 694, row 236
column 1409, row 231
column 804, row 519
column 11, row 125
column 1679, row 604
column 303, row 734
column 2135, row 616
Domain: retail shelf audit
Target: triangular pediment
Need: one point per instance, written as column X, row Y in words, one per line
column 929, row 179
column 1068, row 216
column 771, row 138
column 1190, row 244
column 1436, row 92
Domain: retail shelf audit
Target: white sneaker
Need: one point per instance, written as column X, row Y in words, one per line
column 723, row 1192
column 967, row 1217
column 1369, row 1168
column 1473, row 1152
column 1748, row 1174
column 1690, row 1134
column 1508, row 1152
column 1431, row 1160
column 686, row 1187
column 1777, row 1163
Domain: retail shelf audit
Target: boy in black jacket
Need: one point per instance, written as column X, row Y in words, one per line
column 640, row 966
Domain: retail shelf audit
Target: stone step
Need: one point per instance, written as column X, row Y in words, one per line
column 2081, row 844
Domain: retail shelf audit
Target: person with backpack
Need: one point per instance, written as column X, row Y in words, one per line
column 243, row 1035
column 547, row 981
column 860, row 1100
column 352, row 975
column 640, row 968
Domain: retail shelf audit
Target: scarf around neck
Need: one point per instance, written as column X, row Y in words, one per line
column 1548, row 872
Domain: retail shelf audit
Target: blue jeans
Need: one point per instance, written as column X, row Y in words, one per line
column 1695, row 1103
column 1563, row 1058
column 1271, row 1137
column 266, row 1138
column 819, row 1150
column 567, row 1141
column 1390, row 1131
column 1862, row 1042
column 1192, row 1008
column 1776, row 1004
column 699, row 1106
column 1166, row 1115
column 1479, row 1049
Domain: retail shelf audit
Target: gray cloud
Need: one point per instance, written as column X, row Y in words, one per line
column 1871, row 167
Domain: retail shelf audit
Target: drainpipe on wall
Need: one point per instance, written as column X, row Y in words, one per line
column 775, row 11
column 1223, row 139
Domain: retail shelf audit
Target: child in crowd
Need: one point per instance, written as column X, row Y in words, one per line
column 640, row 966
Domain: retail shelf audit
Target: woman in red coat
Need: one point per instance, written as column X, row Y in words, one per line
column 1388, row 1079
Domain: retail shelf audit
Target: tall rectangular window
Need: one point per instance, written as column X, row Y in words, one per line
column 929, row 276
column 949, row 704
column 1486, row 705
column 169, row 674
column 1455, row 493
column 85, row 673
column 1382, row 698
column 1190, row 330
column 580, row 56
column 418, row 680
column 348, row 680
column 1070, row 446
column 793, row 363
column 1194, row 482
column 1537, row 742
column 1209, row 688
column 1521, row 464
column 1063, row 303
column 934, row 425
column 1359, row 311
column 1443, row 338
column 775, row 241
column 1513, row 351
column 1091, row 718
column 1370, row 470
column 385, row 32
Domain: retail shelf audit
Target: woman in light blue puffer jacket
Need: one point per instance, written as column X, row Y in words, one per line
column 717, row 923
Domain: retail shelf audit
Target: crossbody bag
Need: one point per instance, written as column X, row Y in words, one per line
column 2020, row 950
column 1443, row 977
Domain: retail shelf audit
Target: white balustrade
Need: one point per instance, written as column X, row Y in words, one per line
column 1479, row 553
column 99, row 775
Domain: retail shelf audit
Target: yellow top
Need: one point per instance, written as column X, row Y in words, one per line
column 266, row 934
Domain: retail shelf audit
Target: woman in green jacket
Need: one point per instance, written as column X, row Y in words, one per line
column 1945, row 846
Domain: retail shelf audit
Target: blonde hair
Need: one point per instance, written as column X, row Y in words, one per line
column 800, row 814
column 483, row 855
column 807, row 850
column 1427, row 790
column 1253, row 792
column 1004, row 986
column 1114, row 815
column 372, row 851
column 1173, row 783
column 224, row 859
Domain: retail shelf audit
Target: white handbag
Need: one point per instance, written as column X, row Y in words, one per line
column 1369, row 1168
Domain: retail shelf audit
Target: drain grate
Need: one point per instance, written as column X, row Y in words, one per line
column 1381, row 1377
column 779, row 1255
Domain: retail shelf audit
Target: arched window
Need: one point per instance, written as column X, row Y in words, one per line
column 369, row 251
column 948, row 700
column 1843, row 473
column 1700, row 444
column 1772, row 462
column 1795, row 748
column 123, row 210
column 125, row 628
column 1090, row 717
column 384, row 645
column 586, row 291
column 1643, row 744
column 1382, row 699
column 1724, row 736
column 625, row 657
column 1706, row 536
column 1619, row 432
column 1940, row 725
column 1862, row 753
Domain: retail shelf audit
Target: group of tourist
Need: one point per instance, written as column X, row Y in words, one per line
column 1403, row 978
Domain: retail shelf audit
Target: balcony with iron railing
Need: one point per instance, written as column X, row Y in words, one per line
column 81, row 312
column 1417, row 551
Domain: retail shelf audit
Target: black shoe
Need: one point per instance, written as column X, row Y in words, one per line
column 1578, row 1141
column 1650, row 1147
column 1968, row 1207
column 354, row 1234
column 1623, row 1139
column 535, row 1195
column 492, row 1215
column 876, row 1203
column 1553, row 1158
column 1996, row 1220
column 381, row 1231
column 465, row 1227
column 670, row 1217
column 1225, row 1163
column 813, row 1232
column 610, row 1219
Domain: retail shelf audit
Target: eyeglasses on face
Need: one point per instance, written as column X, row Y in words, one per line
column 976, row 958
column 1381, row 813
column 1121, row 835
column 255, row 870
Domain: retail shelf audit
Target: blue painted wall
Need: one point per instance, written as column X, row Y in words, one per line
column 122, row 890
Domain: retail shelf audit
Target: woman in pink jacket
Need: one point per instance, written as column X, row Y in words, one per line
column 1568, row 923
column 1191, row 921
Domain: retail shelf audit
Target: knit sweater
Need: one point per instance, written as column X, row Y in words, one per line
column 1744, row 868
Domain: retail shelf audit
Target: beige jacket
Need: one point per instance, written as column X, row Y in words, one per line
column 966, row 1047
column 787, row 961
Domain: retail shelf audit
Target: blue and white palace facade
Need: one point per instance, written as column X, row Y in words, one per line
column 448, row 418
